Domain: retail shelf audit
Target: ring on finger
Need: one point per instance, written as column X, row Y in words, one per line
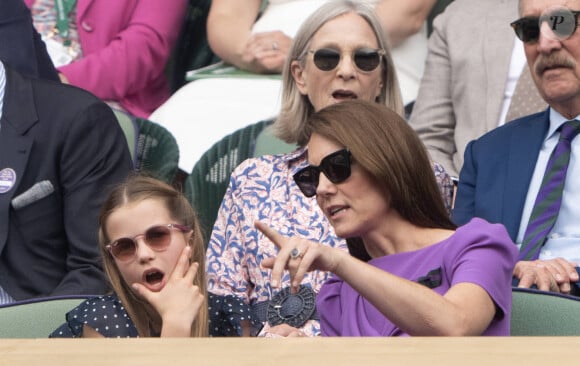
column 295, row 253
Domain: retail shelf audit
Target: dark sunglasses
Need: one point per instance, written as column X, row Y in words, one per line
column 157, row 238
column 366, row 59
column 562, row 23
column 336, row 167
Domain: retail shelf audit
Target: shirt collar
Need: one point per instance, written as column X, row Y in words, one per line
column 2, row 86
column 296, row 154
column 557, row 120
column 296, row 159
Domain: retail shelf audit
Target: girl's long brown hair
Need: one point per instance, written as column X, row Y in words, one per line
column 138, row 188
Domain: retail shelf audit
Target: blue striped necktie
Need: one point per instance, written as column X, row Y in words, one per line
column 549, row 199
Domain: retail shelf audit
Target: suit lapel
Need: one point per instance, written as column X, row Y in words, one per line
column 498, row 49
column 524, row 147
column 18, row 115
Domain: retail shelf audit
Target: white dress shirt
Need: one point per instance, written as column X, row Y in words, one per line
column 4, row 297
column 517, row 64
column 2, row 86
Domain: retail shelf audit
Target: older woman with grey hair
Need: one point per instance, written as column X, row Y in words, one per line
column 339, row 53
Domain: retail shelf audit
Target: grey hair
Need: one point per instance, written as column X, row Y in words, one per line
column 290, row 125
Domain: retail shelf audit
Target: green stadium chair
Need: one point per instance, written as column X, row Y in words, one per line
column 539, row 313
column 36, row 318
column 209, row 179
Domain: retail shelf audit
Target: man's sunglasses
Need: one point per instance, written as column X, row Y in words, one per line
column 561, row 23
column 336, row 167
column 157, row 238
column 365, row 59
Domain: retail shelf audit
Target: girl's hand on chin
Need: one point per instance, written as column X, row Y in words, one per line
column 179, row 301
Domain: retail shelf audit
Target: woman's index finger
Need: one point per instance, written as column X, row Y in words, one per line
column 274, row 236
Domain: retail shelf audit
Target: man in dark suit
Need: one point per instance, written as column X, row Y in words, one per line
column 21, row 47
column 504, row 170
column 61, row 149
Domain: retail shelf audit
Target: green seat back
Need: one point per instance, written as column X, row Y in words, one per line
column 206, row 185
column 153, row 148
column 268, row 144
column 156, row 152
column 129, row 128
column 35, row 318
column 537, row 313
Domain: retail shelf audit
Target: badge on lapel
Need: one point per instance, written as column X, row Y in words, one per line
column 7, row 179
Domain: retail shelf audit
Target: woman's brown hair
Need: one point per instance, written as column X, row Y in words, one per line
column 388, row 149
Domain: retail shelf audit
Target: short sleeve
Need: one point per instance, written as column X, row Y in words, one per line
column 104, row 314
column 487, row 260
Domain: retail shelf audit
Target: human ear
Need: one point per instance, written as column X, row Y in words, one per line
column 189, row 238
column 298, row 74
column 379, row 88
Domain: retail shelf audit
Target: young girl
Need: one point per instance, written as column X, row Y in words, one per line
column 153, row 256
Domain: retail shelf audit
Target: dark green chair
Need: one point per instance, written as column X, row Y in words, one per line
column 153, row 148
column 157, row 152
column 539, row 313
column 209, row 179
column 268, row 144
column 129, row 127
column 36, row 318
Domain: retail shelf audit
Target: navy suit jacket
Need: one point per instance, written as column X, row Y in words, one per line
column 62, row 134
column 497, row 170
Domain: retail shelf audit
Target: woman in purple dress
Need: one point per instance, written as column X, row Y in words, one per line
column 410, row 271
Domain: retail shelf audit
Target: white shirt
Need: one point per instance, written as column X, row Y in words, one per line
column 564, row 239
column 517, row 64
column 2, row 86
column 4, row 297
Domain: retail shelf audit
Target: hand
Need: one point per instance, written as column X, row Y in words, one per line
column 311, row 256
column 283, row 330
column 179, row 302
column 63, row 78
column 548, row 275
column 266, row 52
